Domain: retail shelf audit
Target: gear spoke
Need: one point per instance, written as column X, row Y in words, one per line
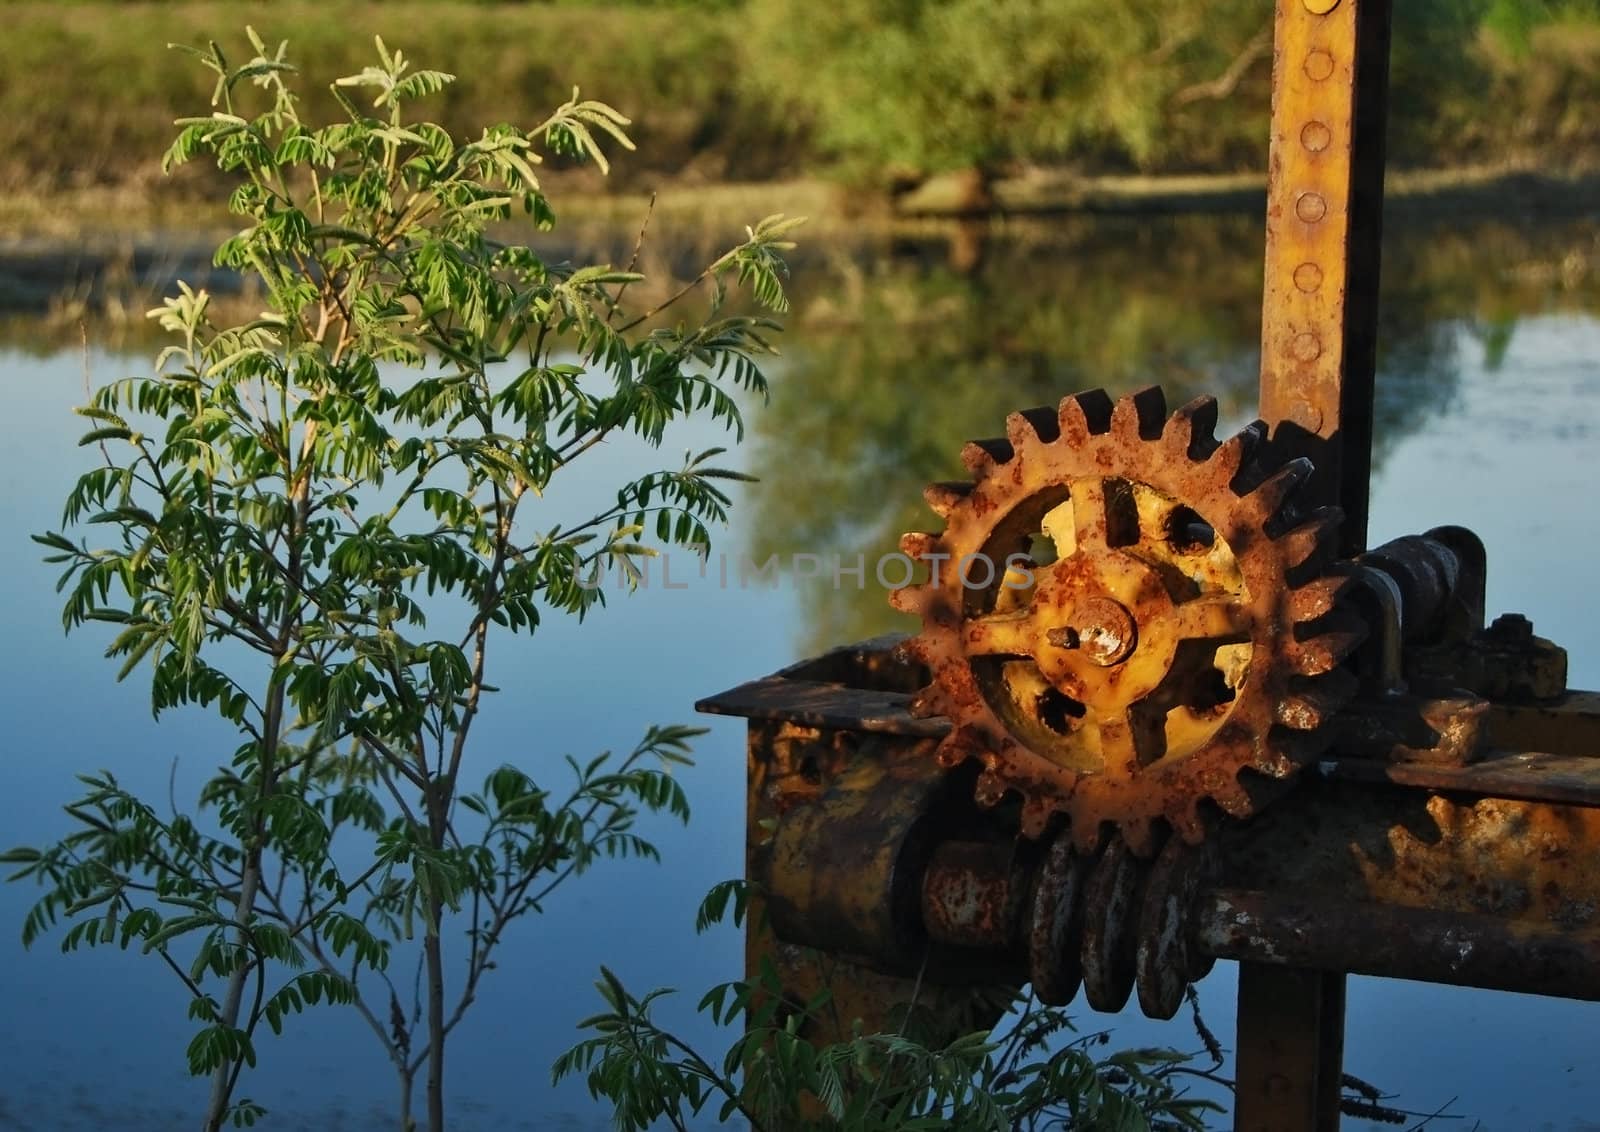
column 1212, row 617
column 1130, row 740
column 1089, row 513
column 1001, row 634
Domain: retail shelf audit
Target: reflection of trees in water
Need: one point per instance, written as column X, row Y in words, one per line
column 897, row 362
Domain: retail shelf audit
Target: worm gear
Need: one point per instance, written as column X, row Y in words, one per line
column 1125, row 619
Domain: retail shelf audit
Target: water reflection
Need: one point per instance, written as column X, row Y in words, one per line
column 904, row 358
column 896, row 357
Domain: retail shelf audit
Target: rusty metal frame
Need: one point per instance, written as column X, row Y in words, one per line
column 1475, row 876
column 1473, row 873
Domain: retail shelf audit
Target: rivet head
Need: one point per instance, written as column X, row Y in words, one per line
column 1318, row 65
column 1310, row 207
column 1306, row 347
column 1308, row 277
column 1315, row 137
column 1320, row 7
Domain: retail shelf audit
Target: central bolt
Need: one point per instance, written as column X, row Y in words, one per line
column 1101, row 628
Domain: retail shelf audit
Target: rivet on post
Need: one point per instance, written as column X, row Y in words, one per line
column 1315, row 136
column 1311, row 207
column 1319, row 65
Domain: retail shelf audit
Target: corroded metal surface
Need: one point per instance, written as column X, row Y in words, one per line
column 1290, row 1049
column 1400, row 943
column 1175, row 644
column 792, row 769
column 1319, row 323
column 1167, row 957
column 973, row 893
column 1055, row 924
column 1180, row 639
column 1567, row 725
column 1324, row 212
column 867, row 858
column 845, row 864
column 1110, row 919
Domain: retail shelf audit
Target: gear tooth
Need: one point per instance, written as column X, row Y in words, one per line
column 1232, row 797
column 1184, row 818
column 1192, row 431
column 909, row 599
column 1328, row 649
column 1234, row 454
column 1302, row 712
column 1139, row 833
column 1036, row 815
column 980, row 457
column 950, row 757
column 1084, row 415
column 919, row 544
column 1274, row 763
column 1317, row 597
column 1314, row 540
column 1031, row 426
column 1086, row 837
column 991, row 788
column 1268, row 497
column 952, row 751
column 1315, row 701
column 1139, row 415
column 946, row 496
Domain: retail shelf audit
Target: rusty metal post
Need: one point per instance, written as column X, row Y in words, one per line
column 1324, row 221
column 1290, row 1049
column 1318, row 355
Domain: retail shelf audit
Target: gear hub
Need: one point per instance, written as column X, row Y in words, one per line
column 1127, row 621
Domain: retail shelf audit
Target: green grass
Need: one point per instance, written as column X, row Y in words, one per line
column 88, row 92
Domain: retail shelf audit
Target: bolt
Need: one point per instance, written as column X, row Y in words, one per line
column 1308, row 277
column 1511, row 627
column 1315, row 137
column 1065, row 637
column 1320, row 7
column 1104, row 630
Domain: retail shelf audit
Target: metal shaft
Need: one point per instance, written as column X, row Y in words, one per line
column 1486, row 952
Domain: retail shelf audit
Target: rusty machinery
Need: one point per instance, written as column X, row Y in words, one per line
column 1166, row 707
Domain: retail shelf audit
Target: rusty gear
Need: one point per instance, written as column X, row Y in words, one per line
column 1125, row 618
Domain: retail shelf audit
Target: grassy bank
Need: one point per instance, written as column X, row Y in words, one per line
column 88, row 92
column 724, row 92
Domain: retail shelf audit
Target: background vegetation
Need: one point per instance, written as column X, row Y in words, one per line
column 871, row 91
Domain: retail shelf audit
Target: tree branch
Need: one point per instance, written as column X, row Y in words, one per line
column 1225, row 84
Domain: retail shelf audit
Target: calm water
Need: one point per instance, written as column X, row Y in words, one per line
column 1491, row 370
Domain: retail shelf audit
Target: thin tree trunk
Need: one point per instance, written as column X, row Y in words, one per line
column 435, row 960
column 249, row 883
column 437, row 822
column 217, row 1106
column 406, row 1081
